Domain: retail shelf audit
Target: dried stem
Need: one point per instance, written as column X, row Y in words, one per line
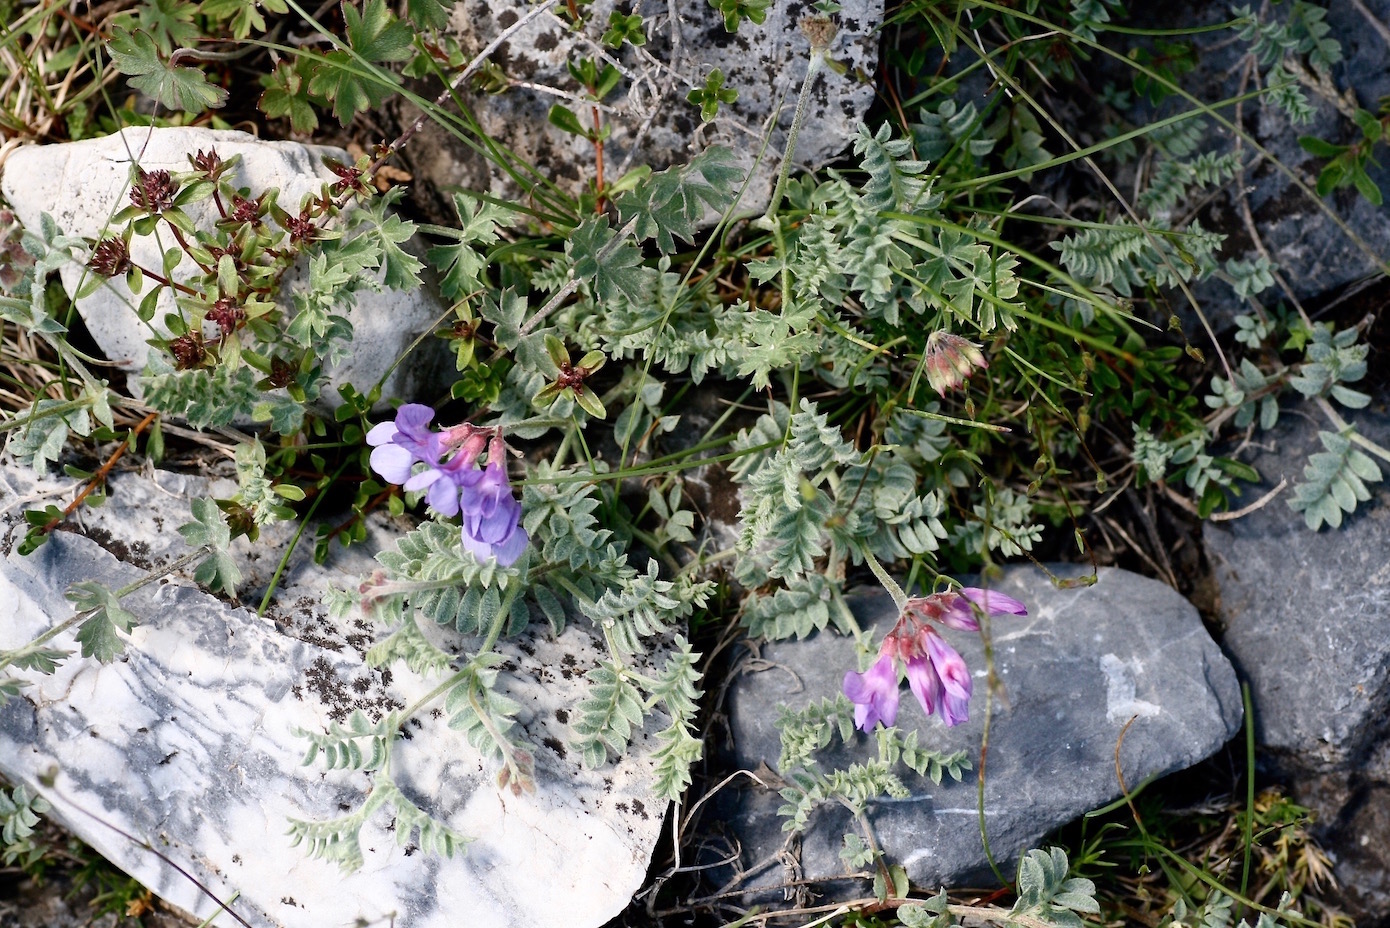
column 100, row 476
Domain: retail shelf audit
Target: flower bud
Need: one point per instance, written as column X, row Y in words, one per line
column 949, row 360
column 111, row 258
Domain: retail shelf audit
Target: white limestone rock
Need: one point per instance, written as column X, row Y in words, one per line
column 82, row 184
column 652, row 123
column 187, row 741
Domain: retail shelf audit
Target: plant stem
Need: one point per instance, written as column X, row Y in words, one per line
column 294, row 542
column 100, row 476
column 889, row 584
column 9, row 657
column 812, row 66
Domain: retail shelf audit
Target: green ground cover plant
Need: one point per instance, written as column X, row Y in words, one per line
column 925, row 366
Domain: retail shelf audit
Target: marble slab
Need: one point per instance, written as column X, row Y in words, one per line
column 187, row 742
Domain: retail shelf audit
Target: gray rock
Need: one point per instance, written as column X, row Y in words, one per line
column 1305, row 615
column 1305, row 611
column 82, row 184
column 651, row 121
column 1315, row 256
column 1074, row 672
column 188, row 742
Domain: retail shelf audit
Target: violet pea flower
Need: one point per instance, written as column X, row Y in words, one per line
column 961, row 616
column 874, row 694
column 924, row 682
column 955, row 680
column 492, row 516
column 398, row 445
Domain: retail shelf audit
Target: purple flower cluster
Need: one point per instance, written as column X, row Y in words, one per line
column 453, row 483
column 936, row 673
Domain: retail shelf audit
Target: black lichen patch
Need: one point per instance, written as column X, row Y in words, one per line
column 341, row 697
column 137, row 553
column 556, row 745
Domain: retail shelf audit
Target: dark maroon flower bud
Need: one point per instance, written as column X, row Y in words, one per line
column 218, row 252
column 208, row 163
column 226, row 315
column 111, row 258
column 349, row 178
column 187, row 351
column 301, row 228
column 246, row 211
column 281, row 372
column 153, row 191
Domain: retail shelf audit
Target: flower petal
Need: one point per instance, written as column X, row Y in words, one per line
column 392, row 462
column 994, row 603
column 924, row 683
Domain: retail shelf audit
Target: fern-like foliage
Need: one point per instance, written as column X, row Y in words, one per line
column 1334, row 481
column 1332, row 361
column 798, row 609
column 806, row 731
column 339, row 840
column 41, row 432
column 1047, row 894
column 360, row 745
column 1126, row 258
column 487, row 718
column 607, row 715
column 895, row 181
column 677, row 690
column 19, row 816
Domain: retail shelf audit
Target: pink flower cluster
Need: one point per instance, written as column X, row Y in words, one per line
column 454, row 485
column 936, row 673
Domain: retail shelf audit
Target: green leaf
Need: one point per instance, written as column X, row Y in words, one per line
column 671, row 204
column 588, row 401
column 287, row 95
column 376, row 34
column 736, row 11
column 624, row 29
column 169, row 22
column 244, row 15
column 1320, row 148
column 100, row 633
column 564, row 119
column 339, row 78
column 616, row 269
column 429, row 14
column 181, row 88
column 209, row 529
column 711, row 95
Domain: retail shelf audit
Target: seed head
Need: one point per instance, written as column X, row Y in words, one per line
column 153, row 191
column 209, row 163
column 111, row 257
column 226, row 315
column 187, row 351
column 820, row 31
column 246, row 211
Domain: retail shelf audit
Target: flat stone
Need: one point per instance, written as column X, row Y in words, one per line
column 187, row 741
column 82, row 184
column 1305, row 612
column 651, row 121
column 1075, row 672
